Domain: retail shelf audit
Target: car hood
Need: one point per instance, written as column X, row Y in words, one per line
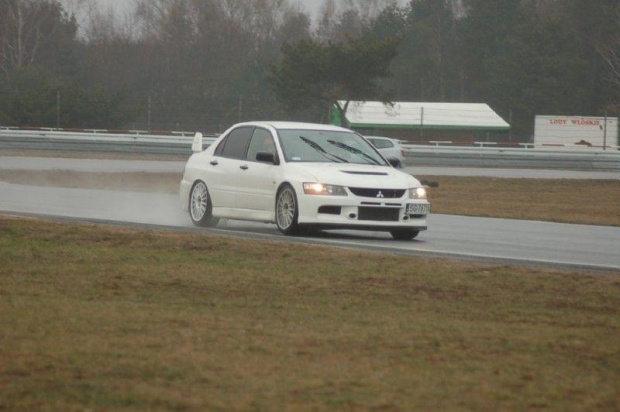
column 356, row 175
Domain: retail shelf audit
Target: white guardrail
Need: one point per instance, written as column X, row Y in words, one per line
column 528, row 150
column 98, row 140
column 538, row 157
column 439, row 153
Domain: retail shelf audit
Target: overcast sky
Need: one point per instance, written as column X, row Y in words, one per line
column 123, row 8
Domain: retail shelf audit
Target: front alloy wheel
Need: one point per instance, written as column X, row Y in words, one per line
column 200, row 206
column 287, row 211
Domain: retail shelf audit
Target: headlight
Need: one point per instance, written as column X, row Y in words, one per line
column 417, row 193
column 325, row 190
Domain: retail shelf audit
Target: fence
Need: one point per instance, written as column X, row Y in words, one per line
column 438, row 153
column 532, row 156
column 94, row 140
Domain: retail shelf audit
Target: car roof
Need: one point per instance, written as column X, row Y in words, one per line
column 279, row 125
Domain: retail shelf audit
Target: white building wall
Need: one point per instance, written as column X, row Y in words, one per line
column 576, row 130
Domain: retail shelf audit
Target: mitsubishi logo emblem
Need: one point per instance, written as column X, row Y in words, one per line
column 380, row 194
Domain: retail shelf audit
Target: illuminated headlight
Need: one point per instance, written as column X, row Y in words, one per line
column 325, row 190
column 417, row 193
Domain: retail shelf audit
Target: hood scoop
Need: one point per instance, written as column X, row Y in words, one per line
column 358, row 172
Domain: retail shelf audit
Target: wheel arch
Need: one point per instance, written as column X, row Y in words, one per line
column 193, row 184
column 284, row 183
column 293, row 227
column 275, row 199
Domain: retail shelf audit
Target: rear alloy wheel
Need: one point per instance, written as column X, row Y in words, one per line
column 404, row 234
column 200, row 206
column 287, row 211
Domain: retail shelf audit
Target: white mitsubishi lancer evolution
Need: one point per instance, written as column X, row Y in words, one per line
column 301, row 176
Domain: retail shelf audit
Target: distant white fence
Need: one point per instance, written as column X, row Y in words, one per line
column 132, row 141
column 582, row 158
column 439, row 153
column 526, row 149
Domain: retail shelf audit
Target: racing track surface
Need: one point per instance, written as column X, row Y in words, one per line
column 109, row 165
column 501, row 240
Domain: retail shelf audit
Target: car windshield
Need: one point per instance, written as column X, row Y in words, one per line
column 327, row 146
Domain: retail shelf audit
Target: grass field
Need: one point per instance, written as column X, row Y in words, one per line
column 594, row 202
column 100, row 318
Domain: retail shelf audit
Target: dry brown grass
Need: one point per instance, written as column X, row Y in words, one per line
column 594, row 202
column 94, row 318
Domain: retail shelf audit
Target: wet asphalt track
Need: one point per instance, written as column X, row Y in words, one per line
column 109, row 165
column 484, row 239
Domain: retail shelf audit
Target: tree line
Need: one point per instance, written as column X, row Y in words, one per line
column 205, row 64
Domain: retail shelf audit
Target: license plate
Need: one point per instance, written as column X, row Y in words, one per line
column 418, row 209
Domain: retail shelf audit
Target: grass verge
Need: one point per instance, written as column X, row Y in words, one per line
column 592, row 202
column 112, row 319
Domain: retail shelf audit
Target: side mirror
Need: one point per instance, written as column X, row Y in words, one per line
column 266, row 157
column 394, row 162
column 197, row 144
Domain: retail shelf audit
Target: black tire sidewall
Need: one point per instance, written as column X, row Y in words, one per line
column 293, row 228
column 404, row 233
column 207, row 219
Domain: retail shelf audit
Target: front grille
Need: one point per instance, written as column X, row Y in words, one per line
column 378, row 214
column 378, row 193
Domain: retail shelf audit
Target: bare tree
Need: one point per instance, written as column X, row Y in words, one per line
column 341, row 21
column 21, row 37
column 163, row 20
column 327, row 19
column 368, row 9
column 611, row 53
column 34, row 32
column 441, row 26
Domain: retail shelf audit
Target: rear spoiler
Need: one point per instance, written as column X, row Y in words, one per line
column 197, row 144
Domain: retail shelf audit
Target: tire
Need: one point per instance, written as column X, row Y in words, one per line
column 287, row 211
column 404, row 234
column 200, row 206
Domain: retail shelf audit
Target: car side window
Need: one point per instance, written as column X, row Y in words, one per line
column 262, row 141
column 381, row 144
column 235, row 144
column 220, row 147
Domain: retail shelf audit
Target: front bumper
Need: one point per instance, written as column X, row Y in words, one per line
column 359, row 212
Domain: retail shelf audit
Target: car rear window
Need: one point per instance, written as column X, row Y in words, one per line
column 236, row 143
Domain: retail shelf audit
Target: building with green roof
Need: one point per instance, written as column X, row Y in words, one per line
column 424, row 121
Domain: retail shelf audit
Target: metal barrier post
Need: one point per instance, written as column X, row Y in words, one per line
column 605, row 133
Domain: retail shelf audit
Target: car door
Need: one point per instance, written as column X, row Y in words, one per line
column 225, row 165
column 257, row 182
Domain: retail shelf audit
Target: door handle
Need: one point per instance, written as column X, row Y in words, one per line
column 244, row 167
column 213, row 162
